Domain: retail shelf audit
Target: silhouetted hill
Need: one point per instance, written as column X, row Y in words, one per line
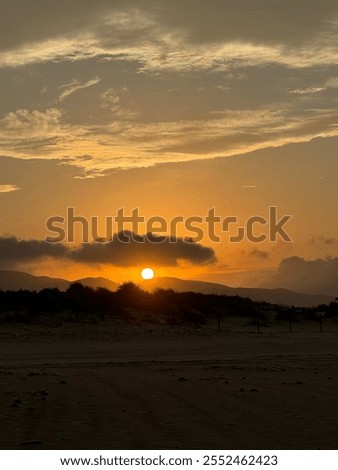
column 16, row 280
column 275, row 296
column 184, row 285
column 95, row 282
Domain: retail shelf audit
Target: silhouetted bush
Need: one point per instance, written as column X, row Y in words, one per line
column 81, row 303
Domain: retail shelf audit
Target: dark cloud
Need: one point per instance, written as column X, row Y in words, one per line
column 328, row 241
column 128, row 249
column 259, row 254
column 318, row 276
column 125, row 249
column 14, row 251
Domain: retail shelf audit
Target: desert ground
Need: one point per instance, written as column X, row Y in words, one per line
column 115, row 386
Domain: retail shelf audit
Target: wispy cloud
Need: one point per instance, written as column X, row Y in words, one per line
column 169, row 86
column 8, row 188
column 157, row 38
column 29, row 123
column 74, row 86
column 327, row 85
column 124, row 143
column 307, row 91
column 31, row 133
column 173, row 53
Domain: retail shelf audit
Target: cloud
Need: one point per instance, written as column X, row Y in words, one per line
column 331, row 83
column 110, row 99
column 259, row 254
column 128, row 249
column 126, row 143
column 31, row 133
column 160, row 74
column 318, row 276
column 261, row 21
column 125, row 249
column 328, row 241
column 171, row 52
column 307, row 91
column 163, row 35
column 76, row 85
column 30, row 123
column 8, row 188
column 14, row 251
column 258, row 21
column 234, row 132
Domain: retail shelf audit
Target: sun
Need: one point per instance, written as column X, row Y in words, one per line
column 147, row 273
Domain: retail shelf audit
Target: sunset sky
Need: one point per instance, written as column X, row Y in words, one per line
column 172, row 107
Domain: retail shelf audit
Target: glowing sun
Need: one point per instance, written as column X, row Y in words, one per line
column 147, row 273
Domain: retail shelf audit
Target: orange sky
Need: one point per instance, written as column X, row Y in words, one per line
column 172, row 108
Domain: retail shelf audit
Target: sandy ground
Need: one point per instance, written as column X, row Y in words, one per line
column 103, row 387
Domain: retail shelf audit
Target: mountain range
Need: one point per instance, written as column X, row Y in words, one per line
column 274, row 296
column 16, row 280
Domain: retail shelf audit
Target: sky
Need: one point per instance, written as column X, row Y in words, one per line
column 173, row 108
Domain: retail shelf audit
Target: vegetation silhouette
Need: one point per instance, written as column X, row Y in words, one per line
column 82, row 304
